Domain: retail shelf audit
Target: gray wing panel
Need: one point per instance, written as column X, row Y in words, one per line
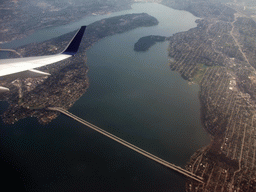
column 10, row 66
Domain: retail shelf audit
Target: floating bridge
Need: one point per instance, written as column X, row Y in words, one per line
column 129, row 145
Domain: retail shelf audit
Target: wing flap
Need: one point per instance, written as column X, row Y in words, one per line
column 4, row 89
column 17, row 66
column 38, row 73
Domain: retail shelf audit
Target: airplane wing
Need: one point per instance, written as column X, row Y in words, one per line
column 27, row 64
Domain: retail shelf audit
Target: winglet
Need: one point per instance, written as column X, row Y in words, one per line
column 74, row 44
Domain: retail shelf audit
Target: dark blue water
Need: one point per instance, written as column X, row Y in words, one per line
column 132, row 95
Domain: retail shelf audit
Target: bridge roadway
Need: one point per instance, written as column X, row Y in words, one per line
column 129, row 145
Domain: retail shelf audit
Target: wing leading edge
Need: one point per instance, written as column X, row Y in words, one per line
column 27, row 64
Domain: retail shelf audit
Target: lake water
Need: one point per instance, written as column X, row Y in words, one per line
column 132, row 95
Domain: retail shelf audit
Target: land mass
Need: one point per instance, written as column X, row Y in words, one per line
column 219, row 55
column 144, row 43
column 68, row 81
column 17, row 23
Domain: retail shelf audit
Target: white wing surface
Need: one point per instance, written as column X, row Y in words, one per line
column 17, row 65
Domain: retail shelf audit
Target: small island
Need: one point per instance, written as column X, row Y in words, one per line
column 144, row 43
